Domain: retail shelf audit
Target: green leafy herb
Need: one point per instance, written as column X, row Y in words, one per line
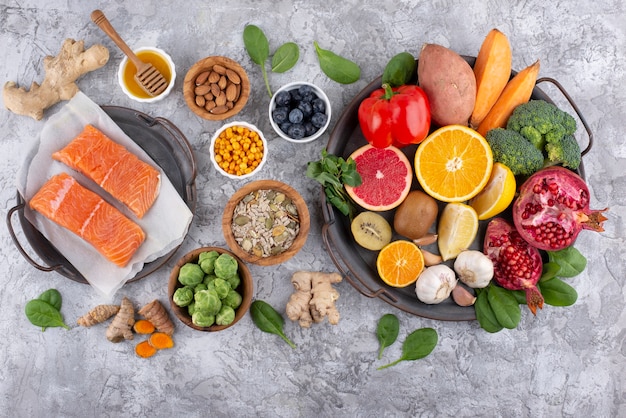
column 268, row 320
column 285, row 57
column 333, row 172
column 550, row 270
column 558, row 293
column 570, row 261
column 505, row 306
column 42, row 314
column 53, row 297
column 337, row 68
column 484, row 313
column 417, row 345
column 258, row 47
column 387, row 332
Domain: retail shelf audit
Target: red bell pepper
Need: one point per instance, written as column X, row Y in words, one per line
column 397, row 116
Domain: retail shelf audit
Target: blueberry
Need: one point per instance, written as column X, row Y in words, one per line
column 309, row 129
column 306, row 108
column 319, row 119
column 296, row 115
column 285, row 126
column 305, row 89
column 319, row 106
column 295, row 95
column 280, row 114
column 283, row 98
column 296, row 131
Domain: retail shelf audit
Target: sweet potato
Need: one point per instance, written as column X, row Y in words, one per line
column 492, row 70
column 449, row 83
column 517, row 91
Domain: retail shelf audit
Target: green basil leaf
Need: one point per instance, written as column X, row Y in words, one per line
column 267, row 319
column 484, row 314
column 556, row 292
column 337, row 68
column 387, row 332
column 285, row 57
column 505, row 307
column 571, row 261
column 417, row 345
column 256, row 44
column 53, row 297
column 40, row 313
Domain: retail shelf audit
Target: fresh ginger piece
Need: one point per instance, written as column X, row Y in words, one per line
column 121, row 327
column 161, row 341
column 144, row 349
column 298, row 306
column 98, row 315
column 59, row 82
column 156, row 313
column 143, row 326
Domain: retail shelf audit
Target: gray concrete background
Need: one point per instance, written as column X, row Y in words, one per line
column 564, row 362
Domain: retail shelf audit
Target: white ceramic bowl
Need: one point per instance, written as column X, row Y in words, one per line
column 212, row 150
column 294, row 86
column 134, row 91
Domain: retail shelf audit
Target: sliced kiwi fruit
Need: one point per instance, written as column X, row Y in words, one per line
column 371, row 230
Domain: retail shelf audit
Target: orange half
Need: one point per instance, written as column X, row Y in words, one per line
column 400, row 263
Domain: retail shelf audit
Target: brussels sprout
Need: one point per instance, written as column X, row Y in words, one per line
column 190, row 274
column 233, row 299
column 206, row 260
column 202, row 319
column 191, row 308
column 209, row 278
column 208, row 301
column 199, row 287
column 234, row 281
column 226, row 316
column 225, row 266
column 183, row 296
column 221, row 286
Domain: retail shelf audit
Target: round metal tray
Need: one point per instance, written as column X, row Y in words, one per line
column 165, row 144
column 357, row 264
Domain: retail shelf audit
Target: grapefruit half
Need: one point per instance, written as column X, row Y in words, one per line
column 386, row 174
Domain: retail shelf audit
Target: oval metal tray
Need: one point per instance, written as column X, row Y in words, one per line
column 357, row 264
column 165, row 144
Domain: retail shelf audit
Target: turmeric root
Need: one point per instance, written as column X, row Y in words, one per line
column 144, row 349
column 161, row 341
column 143, row 326
column 314, row 298
column 98, row 315
column 156, row 313
column 121, row 326
column 59, row 82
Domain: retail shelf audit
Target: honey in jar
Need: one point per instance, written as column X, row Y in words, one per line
column 128, row 76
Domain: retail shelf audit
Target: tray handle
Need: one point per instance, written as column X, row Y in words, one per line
column 329, row 220
column 574, row 106
column 19, row 246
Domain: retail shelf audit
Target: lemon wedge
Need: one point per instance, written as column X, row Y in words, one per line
column 457, row 229
column 497, row 194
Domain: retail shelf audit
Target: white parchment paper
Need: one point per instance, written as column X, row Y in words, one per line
column 165, row 224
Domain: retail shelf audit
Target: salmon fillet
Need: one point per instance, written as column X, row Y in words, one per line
column 63, row 200
column 110, row 165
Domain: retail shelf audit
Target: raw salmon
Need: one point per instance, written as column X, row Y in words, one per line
column 63, row 200
column 118, row 171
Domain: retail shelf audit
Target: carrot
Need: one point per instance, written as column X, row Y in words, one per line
column 143, row 326
column 492, row 70
column 517, row 91
column 144, row 349
column 161, row 340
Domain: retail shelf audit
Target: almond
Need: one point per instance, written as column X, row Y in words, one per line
column 202, row 78
column 233, row 76
column 202, row 90
column 231, row 92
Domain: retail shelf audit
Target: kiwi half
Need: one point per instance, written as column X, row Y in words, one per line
column 371, row 230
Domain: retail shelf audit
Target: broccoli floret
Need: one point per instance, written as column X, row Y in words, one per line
column 513, row 150
column 564, row 151
column 541, row 122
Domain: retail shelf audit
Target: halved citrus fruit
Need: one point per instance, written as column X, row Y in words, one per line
column 456, row 230
column 453, row 164
column 386, row 175
column 497, row 194
column 400, row 263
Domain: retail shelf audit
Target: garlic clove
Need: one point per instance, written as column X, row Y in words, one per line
column 462, row 296
column 431, row 259
column 426, row 239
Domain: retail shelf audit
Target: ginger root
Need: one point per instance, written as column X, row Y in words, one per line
column 156, row 313
column 61, row 72
column 314, row 298
column 122, row 324
column 98, row 315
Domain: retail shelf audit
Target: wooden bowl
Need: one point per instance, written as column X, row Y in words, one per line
column 206, row 64
column 245, row 289
column 303, row 217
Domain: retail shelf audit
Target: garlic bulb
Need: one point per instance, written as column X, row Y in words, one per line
column 474, row 268
column 435, row 283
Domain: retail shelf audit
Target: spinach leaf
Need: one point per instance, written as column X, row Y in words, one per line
column 484, row 313
column 387, row 332
column 53, row 297
column 399, row 70
column 571, row 261
column 40, row 313
column 550, row 270
column 258, row 47
column 268, row 320
column 505, row 307
column 417, row 345
column 285, row 57
column 337, row 68
column 558, row 293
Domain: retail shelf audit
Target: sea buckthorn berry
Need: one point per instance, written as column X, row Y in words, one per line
column 238, row 150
